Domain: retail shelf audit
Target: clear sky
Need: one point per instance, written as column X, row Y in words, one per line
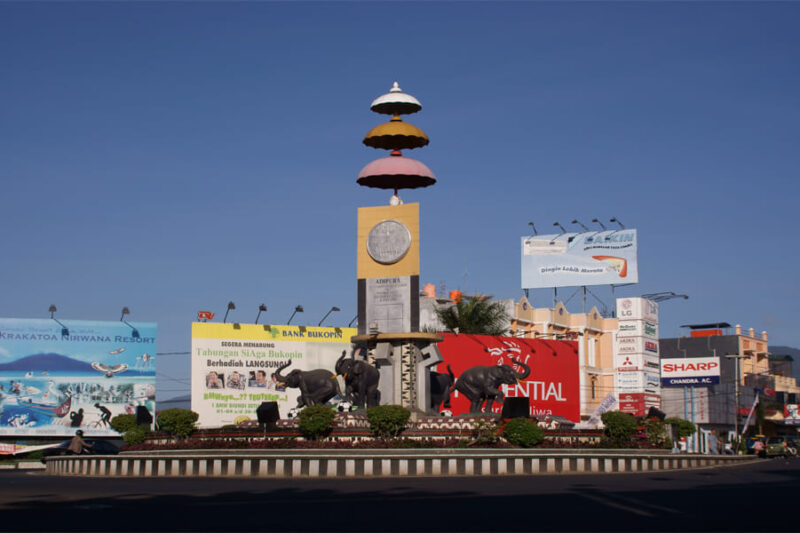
column 171, row 157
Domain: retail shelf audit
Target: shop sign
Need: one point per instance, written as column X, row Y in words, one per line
column 690, row 371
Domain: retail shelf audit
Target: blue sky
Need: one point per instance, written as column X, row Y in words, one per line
column 171, row 157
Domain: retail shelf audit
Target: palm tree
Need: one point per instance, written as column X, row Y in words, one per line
column 475, row 316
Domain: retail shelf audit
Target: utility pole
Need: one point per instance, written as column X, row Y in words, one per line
column 736, row 358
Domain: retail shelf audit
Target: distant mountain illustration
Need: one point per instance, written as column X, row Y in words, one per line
column 52, row 362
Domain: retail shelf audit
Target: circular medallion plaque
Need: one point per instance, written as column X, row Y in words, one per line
column 388, row 242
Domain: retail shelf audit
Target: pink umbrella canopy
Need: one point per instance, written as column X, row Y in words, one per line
column 396, row 172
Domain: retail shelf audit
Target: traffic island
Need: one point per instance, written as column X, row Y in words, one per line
column 379, row 463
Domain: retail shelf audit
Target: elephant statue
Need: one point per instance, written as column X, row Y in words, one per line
column 360, row 380
column 316, row 386
column 482, row 383
column 440, row 384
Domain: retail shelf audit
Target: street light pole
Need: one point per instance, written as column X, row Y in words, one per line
column 736, row 358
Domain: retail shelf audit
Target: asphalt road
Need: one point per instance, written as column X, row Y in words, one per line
column 758, row 497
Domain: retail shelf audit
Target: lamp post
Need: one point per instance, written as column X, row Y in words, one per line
column 736, row 358
column 126, row 311
column 64, row 329
column 663, row 296
column 334, row 308
column 261, row 308
column 576, row 221
column 231, row 305
column 298, row 309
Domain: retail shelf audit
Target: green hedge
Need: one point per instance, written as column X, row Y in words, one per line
column 523, row 432
column 388, row 421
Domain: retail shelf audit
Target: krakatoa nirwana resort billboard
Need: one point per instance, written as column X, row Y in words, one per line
column 57, row 377
column 232, row 366
column 552, row 388
column 575, row 259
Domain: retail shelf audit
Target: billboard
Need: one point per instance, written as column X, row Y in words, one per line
column 574, row 259
column 232, row 366
column 638, row 328
column 638, row 403
column 636, row 362
column 636, row 309
column 56, row 377
column 636, row 345
column 791, row 414
column 690, row 371
column 553, row 386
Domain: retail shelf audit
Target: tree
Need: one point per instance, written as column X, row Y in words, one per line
column 475, row 316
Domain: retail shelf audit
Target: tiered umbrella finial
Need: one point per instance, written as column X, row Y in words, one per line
column 396, row 172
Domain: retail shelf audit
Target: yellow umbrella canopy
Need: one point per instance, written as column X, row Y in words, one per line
column 396, row 135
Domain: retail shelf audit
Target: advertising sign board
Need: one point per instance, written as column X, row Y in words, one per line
column 634, row 345
column 574, row 259
column 690, row 371
column 638, row 404
column 632, row 403
column 233, row 366
column 61, row 376
column 637, row 309
column 629, row 382
column 791, row 414
column 638, row 328
column 553, row 386
column 636, row 362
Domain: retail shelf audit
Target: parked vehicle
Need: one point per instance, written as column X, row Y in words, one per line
column 98, row 447
column 781, row 446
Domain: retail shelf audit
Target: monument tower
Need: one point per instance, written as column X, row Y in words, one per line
column 388, row 259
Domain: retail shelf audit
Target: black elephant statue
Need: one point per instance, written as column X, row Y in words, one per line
column 482, row 384
column 440, row 384
column 316, row 386
column 360, row 380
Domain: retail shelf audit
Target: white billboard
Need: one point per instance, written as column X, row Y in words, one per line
column 629, row 382
column 575, row 259
column 638, row 328
column 233, row 366
column 637, row 309
column 634, row 345
column 690, row 371
column 636, row 362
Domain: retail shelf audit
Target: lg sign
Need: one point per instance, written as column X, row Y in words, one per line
column 690, row 371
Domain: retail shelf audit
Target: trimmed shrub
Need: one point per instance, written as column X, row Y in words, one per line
column 388, row 421
column 619, row 428
column 316, row 421
column 122, row 423
column 487, row 431
column 656, row 433
column 134, row 435
column 177, row 422
column 523, row 432
column 684, row 427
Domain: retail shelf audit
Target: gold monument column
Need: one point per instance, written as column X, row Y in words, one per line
column 388, row 261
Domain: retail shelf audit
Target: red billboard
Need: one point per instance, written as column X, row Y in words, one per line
column 553, row 386
column 638, row 403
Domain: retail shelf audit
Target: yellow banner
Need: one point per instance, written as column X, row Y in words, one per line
column 259, row 332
